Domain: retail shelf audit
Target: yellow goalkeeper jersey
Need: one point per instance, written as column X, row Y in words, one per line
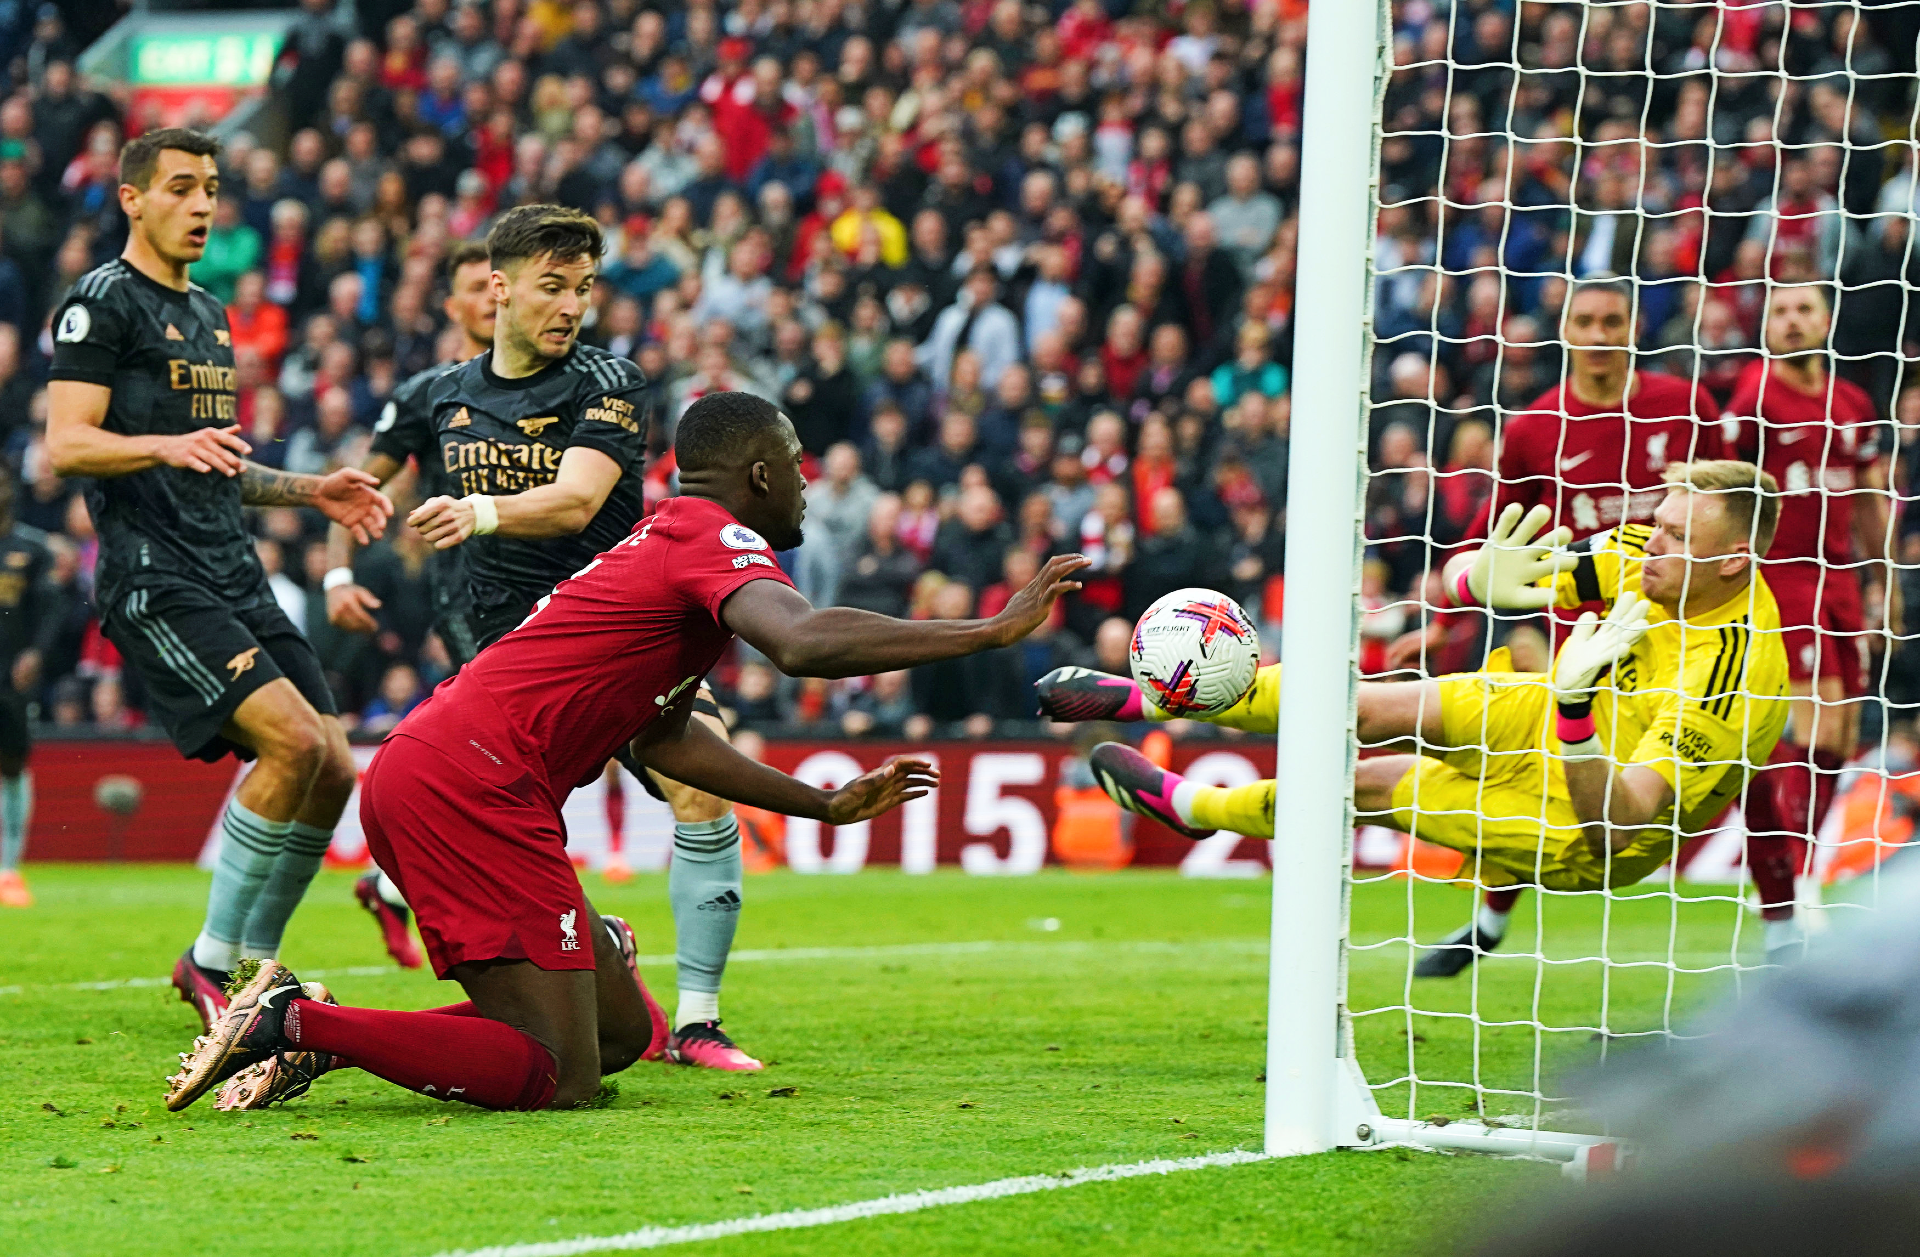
column 1701, row 701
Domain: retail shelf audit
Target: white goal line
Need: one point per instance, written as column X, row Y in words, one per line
column 750, row 955
column 905, row 1202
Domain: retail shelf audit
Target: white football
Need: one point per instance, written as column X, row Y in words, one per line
column 1194, row 653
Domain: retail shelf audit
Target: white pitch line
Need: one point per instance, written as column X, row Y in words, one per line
column 1246, row 946
column 906, row 1202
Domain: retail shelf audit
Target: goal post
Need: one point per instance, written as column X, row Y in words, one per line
column 1317, row 1095
column 1314, row 1092
column 1712, row 160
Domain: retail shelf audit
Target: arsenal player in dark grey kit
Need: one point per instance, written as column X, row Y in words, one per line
column 143, row 406
column 543, row 438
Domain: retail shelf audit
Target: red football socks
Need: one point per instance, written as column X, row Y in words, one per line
column 1775, row 846
column 446, row 1054
column 1502, row 901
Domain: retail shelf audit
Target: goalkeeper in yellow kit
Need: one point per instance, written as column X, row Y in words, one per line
column 1650, row 722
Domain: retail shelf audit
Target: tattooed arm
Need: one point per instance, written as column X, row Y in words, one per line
column 348, row 496
column 263, row 486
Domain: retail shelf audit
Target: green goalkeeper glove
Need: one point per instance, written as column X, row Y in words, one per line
column 1507, row 570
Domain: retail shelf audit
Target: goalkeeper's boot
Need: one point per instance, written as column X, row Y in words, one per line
column 284, row 1077
column 13, row 890
column 1136, row 784
column 1069, row 694
column 205, row 989
column 252, row 1030
column 622, row 935
column 392, row 920
column 705, row 1044
column 1455, row 952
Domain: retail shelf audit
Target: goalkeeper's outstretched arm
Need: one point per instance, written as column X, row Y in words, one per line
column 1507, row 572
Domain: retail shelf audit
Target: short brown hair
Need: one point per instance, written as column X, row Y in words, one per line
column 1752, row 496
column 531, row 231
column 140, row 157
column 466, row 253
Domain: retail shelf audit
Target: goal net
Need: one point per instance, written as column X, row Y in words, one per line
column 1605, row 237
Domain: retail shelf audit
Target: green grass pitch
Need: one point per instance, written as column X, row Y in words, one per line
column 1130, row 1029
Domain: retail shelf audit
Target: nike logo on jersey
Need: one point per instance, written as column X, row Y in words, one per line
column 1788, row 436
column 1568, row 464
column 460, row 420
column 173, row 333
column 534, row 427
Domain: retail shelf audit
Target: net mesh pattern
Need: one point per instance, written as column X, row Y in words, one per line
column 1715, row 158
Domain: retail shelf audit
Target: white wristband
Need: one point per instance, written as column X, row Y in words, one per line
column 1580, row 752
column 486, row 516
column 337, row 577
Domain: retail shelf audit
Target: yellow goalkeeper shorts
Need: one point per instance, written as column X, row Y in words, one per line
column 1496, row 800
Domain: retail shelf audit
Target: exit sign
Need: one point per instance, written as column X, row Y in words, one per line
column 230, row 60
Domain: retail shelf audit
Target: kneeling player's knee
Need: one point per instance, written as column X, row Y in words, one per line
column 575, row 1091
column 622, row 1048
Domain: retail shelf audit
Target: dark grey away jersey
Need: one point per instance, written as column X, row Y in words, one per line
column 500, row 437
column 168, row 357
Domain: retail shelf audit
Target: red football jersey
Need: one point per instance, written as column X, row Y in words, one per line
column 1598, row 468
column 614, row 647
column 1816, row 445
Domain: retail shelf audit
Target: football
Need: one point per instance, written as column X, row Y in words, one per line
column 1194, row 653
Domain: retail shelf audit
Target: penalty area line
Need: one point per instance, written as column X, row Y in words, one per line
column 905, row 1202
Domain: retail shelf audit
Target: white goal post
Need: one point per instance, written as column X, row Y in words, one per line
column 1319, row 1093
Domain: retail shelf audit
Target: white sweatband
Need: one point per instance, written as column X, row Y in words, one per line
column 337, row 577
column 1592, row 748
column 486, row 516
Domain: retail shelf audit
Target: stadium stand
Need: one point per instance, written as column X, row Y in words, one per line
column 1021, row 274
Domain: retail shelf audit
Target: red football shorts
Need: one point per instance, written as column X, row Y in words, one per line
column 476, row 844
column 1822, row 624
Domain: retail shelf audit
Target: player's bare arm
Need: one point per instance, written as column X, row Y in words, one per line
column 348, row 496
column 805, row 641
column 560, row 508
column 689, row 752
column 350, row 607
column 1872, row 530
column 79, row 445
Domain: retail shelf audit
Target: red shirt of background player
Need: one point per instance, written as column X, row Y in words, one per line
column 1815, row 445
column 618, row 645
column 1598, row 467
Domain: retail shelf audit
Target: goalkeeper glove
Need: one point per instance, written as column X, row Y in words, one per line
column 1594, row 646
column 1507, row 569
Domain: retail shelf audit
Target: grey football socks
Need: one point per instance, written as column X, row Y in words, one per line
column 299, row 860
column 704, row 888
column 16, row 808
column 250, row 846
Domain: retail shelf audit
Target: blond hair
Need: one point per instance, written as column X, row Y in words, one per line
column 1751, row 496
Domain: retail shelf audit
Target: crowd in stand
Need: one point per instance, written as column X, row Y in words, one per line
column 1021, row 274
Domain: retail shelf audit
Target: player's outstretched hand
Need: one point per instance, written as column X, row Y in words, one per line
column 350, row 609
column 352, row 499
column 206, row 450
column 1028, row 609
column 444, row 521
column 1507, row 568
column 1596, row 645
column 885, row 788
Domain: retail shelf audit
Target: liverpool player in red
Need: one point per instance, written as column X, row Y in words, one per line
column 462, row 803
column 1819, row 436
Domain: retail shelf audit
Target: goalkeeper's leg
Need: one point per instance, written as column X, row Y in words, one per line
column 1074, row 694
